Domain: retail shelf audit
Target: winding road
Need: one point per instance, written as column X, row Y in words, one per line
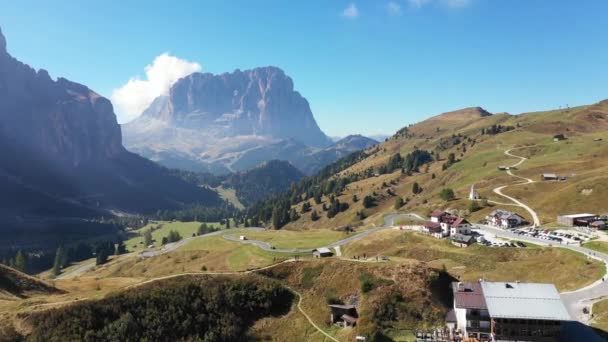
column 388, row 223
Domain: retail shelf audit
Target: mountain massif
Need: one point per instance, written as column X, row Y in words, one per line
column 62, row 153
column 232, row 122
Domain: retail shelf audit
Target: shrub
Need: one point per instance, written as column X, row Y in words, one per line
column 447, row 194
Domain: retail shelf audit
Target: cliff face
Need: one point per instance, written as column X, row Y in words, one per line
column 62, row 120
column 261, row 101
column 61, row 144
column 227, row 122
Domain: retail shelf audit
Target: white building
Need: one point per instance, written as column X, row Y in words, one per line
column 504, row 219
column 460, row 226
column 505, row 311
column 473, row 195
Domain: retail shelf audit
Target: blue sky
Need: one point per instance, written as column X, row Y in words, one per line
column 365, row 66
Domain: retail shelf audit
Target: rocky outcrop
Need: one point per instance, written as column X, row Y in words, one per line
column 61, row 144
column 261, row 102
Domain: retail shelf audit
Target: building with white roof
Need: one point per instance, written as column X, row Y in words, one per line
column 516, row 311
column 322, row 252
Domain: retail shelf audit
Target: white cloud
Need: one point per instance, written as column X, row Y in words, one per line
column 351, row 11
column 393, row 8
column 132, row 98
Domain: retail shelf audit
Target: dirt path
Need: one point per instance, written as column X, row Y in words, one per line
column 515, row 201
column 308, row 317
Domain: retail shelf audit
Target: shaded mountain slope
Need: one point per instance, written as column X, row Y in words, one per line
column 63, row 156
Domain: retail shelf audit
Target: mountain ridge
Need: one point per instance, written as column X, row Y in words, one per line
column 63, row 155
column 231, row 122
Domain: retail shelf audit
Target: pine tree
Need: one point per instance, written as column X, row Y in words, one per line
column 20, row 261
column 120, row 248
column 57, row 264
column 416, row 188
column 399, row 203
column 447, row 194
column 314, row 216
column 368, row 201
column 102, row 257
column 147, row 237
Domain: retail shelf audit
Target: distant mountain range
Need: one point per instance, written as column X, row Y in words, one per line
column 232, row 122
column 62, row 153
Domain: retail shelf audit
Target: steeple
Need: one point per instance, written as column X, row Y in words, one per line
column 473, row 195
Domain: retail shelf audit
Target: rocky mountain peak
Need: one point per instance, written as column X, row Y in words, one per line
column 256, row 102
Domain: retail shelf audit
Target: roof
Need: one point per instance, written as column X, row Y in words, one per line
column 322, row 250
column 461, row 238
column 341, row 306
column 578, row 215
column 460, row 221
column 438, row 213
column 549, row 175
column 434, row 226
column 598, row 223
column 469, row 297
column 450, row 316
column 505, row 214
column 524, row 300
column 349, row 319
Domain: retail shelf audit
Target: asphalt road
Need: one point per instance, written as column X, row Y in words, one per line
column 388, row 223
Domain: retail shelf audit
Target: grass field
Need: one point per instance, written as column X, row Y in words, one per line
column 185, row 229
column 532, row 264
column 295, row 239
column 599, row 246
column 213, row 254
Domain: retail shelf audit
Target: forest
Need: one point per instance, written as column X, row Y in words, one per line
column 181, row 309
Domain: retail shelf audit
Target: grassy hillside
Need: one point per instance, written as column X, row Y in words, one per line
column 393, row 299
column 532, row 264
column 15, row 284
column 477, row 142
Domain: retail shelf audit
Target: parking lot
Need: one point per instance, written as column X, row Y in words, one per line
column 490, row 240
column 561, row 236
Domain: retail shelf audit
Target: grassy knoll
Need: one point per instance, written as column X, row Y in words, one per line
column 213, row 254
column 161, row 229
column 402, row 297
column 599, row 246
column 533, row 264
column 295, row 239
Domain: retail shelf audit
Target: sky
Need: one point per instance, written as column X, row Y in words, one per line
column 367, row 66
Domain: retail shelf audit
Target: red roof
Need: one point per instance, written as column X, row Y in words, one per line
column 469, row 298
column 432, row 225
